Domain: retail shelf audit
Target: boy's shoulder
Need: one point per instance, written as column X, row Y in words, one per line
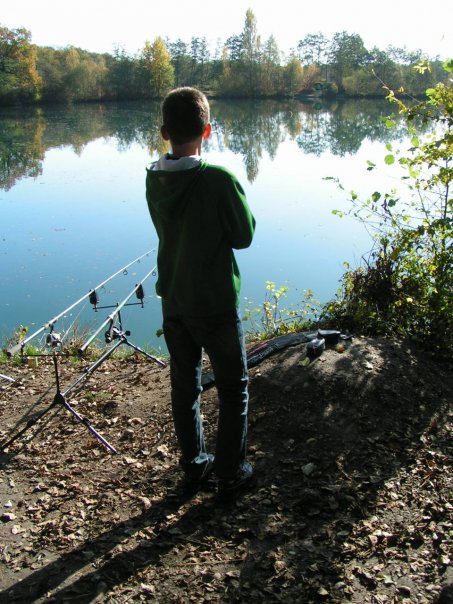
column 217, row 171
column 221, row 177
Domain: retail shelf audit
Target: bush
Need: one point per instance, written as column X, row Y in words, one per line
column 406, row 285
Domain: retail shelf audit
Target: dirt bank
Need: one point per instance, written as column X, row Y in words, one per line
column 352, row 502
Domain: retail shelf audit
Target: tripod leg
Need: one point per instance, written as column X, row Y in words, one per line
column 84, row 421
column 7, row 378
column 29, row 424
column 93, row 367
column 160, row 363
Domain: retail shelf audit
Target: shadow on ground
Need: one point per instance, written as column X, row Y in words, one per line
column 351, row 502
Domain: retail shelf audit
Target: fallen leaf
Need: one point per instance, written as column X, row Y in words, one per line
column 308, row 468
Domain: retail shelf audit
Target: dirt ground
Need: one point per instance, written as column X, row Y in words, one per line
column 353, row 499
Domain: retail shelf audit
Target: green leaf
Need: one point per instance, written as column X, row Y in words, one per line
column 389, row 123
column 376, row 196
column 448, row 65
column 389, row 159
column 395, row 253
column 388, row 146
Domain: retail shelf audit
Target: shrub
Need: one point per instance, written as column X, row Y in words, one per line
column 406, row 285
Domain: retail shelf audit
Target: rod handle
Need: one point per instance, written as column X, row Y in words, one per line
column 10, row 352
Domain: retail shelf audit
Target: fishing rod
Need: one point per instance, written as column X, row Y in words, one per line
column 114, row 333
column 110, row 320
column 93, row 298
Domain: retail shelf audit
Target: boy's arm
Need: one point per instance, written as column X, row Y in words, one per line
column 239, row 222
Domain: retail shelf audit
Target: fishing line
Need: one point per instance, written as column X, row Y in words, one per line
column 66, row 333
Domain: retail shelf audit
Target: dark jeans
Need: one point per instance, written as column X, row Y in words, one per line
column 222, row 338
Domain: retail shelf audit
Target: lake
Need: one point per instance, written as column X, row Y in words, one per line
column 72, row 193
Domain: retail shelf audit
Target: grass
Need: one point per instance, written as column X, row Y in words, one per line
column 266, row 321
column 71, row 343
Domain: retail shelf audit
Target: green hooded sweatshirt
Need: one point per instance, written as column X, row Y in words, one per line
column 200, row 215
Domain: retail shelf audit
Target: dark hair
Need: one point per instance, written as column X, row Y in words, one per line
column 185, row 113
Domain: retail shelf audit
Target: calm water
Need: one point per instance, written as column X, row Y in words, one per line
column 73, row 209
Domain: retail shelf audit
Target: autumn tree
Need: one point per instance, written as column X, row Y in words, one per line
column 157, row 68
column 19, row 79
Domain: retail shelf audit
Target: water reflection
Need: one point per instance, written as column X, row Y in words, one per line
column 247, row 128
column 21, row 148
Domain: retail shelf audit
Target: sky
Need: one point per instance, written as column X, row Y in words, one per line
column 101, row 25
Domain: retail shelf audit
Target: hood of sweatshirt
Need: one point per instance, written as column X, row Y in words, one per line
column 169, row 183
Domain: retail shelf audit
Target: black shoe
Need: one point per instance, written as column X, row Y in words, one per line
column 228, row 489
column 191, row 484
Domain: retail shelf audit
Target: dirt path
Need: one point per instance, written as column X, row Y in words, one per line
column 353, row 501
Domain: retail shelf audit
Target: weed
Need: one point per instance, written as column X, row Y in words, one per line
column 270, row 319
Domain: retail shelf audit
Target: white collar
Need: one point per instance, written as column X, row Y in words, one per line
column 168, row 164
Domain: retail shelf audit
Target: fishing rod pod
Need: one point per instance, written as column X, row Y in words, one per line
column 110, row 320
column 92, row 297
column 54, row 340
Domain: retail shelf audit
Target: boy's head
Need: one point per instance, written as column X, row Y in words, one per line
column 185, row 113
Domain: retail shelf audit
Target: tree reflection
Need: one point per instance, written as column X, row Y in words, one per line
column 248, row 128
column 21, row 148
column 341, row 128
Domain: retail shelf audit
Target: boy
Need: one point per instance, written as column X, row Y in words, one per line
column 200, row 213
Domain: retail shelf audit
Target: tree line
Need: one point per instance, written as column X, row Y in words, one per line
column 244, row 65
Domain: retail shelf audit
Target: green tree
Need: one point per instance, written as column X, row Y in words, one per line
column 50, row 65
column 242, row 61
column 157, row 68
column 270, row 67
column 384, row 67
column 312, row 49
column 200, row 57
column 251, row 52
column 122, row 75
column 233, row 48
column 347, row 52
column 19, row 78
column 230, row 81
column 85, row 75
column 181, row 61
column 293, row 76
